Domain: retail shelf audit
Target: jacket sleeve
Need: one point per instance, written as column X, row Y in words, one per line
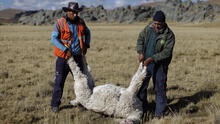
column 87, row 33
column 87, row 37
column 55, row 40
column 167, row 50
column 140, row 41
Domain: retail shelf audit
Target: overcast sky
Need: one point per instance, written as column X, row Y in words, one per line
column 58, row 4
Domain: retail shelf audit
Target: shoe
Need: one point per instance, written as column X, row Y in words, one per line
column 74, row 103
column 55, row 109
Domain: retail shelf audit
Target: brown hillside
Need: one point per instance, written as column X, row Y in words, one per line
column 9, row 13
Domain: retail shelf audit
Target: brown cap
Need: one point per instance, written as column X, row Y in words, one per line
column 72, row 6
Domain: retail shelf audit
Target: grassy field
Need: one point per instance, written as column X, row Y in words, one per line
column 27, row 74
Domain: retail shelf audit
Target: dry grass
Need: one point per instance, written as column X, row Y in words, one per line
column 27, row 72
column 215, row 1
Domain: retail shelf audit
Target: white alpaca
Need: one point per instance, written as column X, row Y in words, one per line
column 109, row 99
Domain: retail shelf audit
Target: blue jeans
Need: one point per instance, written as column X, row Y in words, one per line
column 62, row 70
column 159, row 76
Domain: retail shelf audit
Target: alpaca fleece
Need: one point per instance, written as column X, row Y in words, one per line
column 109, row 99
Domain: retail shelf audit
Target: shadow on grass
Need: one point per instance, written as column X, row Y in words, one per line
column 71, row 106
column 66, row 107
column 182, row 103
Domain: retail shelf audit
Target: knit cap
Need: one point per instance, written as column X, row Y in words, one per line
column 159, row 16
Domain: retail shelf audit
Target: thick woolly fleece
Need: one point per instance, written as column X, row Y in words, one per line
column 109, row 99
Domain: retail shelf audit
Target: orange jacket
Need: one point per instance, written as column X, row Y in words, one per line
column 66, row 38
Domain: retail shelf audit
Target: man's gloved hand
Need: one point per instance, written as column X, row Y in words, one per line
column 148, row 61
column 141, row 57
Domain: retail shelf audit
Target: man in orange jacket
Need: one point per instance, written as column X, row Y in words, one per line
column 70, row 37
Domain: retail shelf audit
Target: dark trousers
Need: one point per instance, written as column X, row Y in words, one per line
column 159, row 76
column 62, row 70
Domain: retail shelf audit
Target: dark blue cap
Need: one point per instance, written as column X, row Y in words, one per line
column 159, row 16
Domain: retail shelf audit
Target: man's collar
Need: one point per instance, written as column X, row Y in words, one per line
column 161, row 31
column 71, row 21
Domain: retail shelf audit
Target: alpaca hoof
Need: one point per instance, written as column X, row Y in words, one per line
column 127, row 121
column 74, row 103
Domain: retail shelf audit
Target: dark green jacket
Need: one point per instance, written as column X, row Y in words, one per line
column 165, row 41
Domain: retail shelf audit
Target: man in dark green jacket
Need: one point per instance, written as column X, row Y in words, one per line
column 155, row 46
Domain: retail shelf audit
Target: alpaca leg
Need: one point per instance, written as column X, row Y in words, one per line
column 137, row 79
column 140, row 68
column 87, row 72
column 74, row 68
column 81, row 88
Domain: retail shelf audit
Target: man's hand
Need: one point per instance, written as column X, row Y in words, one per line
column 148, row 61
column 68, row 53
column 141, row 57
column 84, row 51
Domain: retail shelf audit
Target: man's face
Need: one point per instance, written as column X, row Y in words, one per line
column 158, row 25
column 71, row 15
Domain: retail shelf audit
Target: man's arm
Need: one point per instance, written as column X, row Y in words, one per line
column 167, row 51
column 55, row 38
column 87, row 33
column 87, row 37
column 140, row 44
column 140, row 41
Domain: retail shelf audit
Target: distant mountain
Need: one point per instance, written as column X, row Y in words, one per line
column 9, row 13
column 175, row 10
